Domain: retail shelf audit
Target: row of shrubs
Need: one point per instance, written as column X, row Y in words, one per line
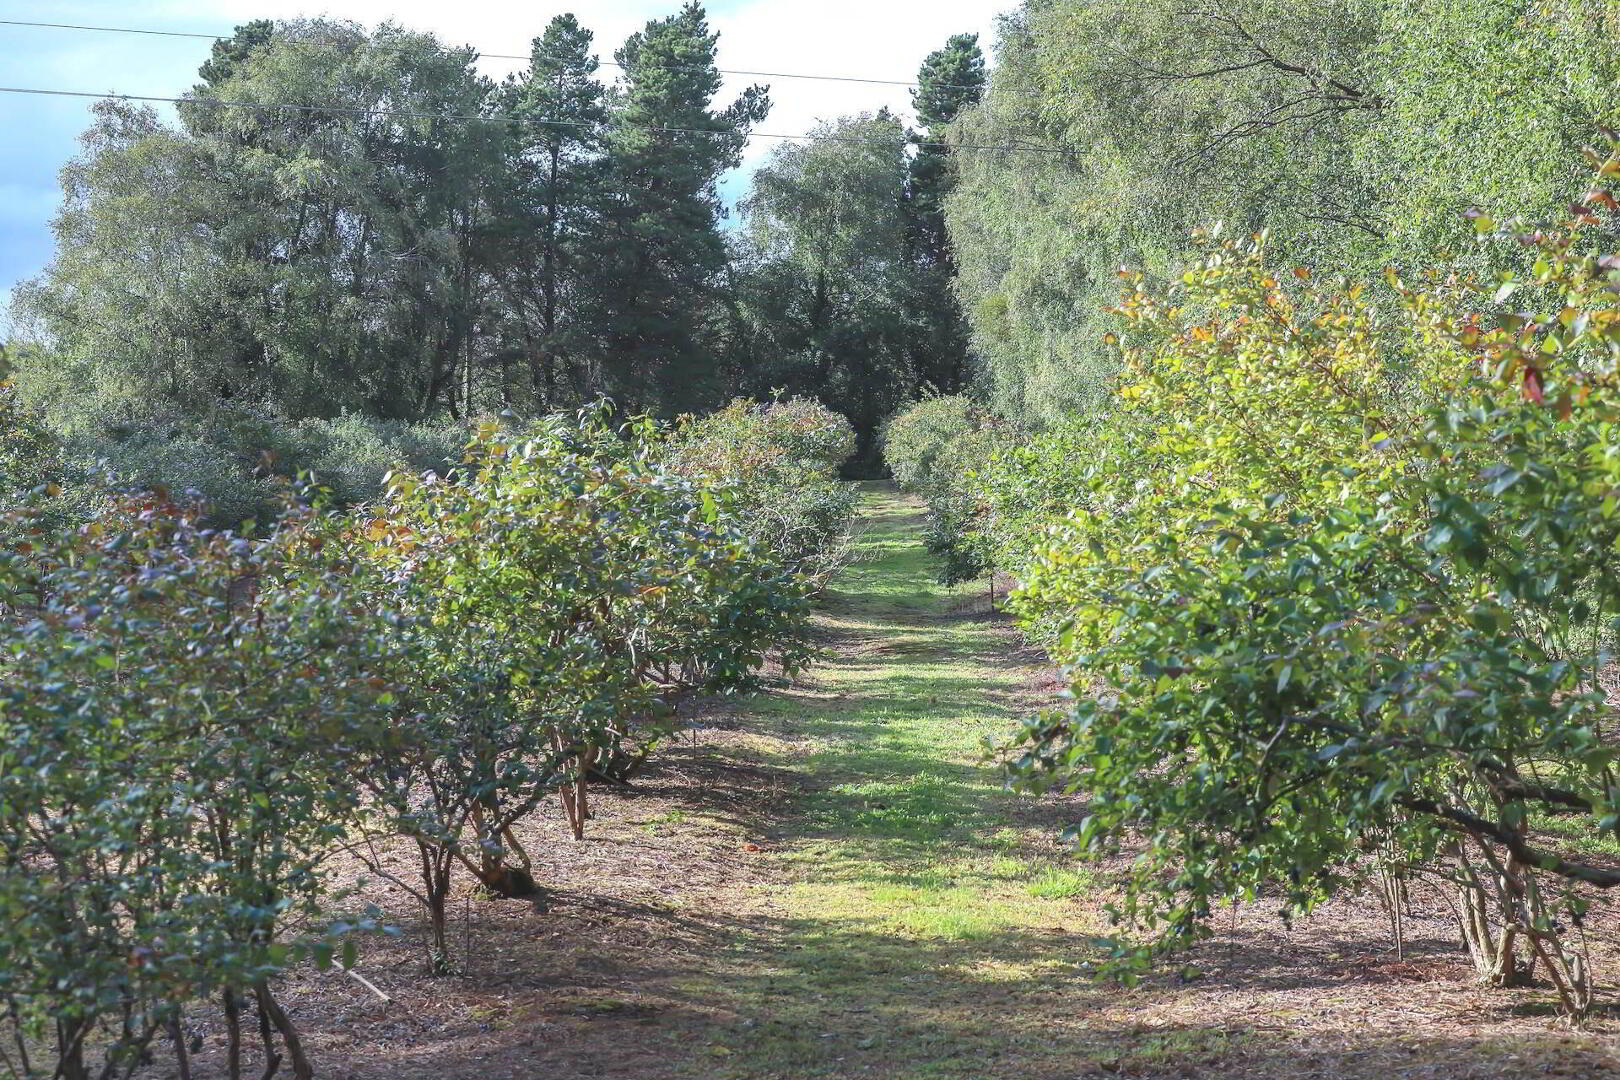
column 940, row 449
column 780, row 458
column 194, row 721
column 237, row 458
column 1334, row 581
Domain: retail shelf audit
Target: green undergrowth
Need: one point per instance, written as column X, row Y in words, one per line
column 921, row 921
column 924, row 918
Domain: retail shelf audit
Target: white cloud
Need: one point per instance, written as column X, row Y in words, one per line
column 861, row 38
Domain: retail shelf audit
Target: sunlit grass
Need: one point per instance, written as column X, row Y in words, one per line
column 1581, row 832
column 913, row 890
column 918, row 920
column 1056, row 884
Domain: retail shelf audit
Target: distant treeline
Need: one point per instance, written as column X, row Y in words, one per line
column 351, row 241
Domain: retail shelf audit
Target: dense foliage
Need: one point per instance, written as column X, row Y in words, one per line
column 195, row 721
column 940, row 449
column 846, row 277
column 1336, row 590
column 782, row 460
column 1327, row 560
column 181, row 711
column 568, row 590
column 374, row 250
column 829, row 296
column 367, row 256
column 351, row 236
column 1356, row 131
column 951, row 80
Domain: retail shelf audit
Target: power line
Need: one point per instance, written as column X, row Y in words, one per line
column 490, row 55
column 405, row 114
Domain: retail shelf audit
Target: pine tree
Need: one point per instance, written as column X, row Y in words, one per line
column 664, row 256
column 550, row 213
column 951, row 79
column 228, row 54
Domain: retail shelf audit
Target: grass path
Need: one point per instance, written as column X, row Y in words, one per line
column 828, row 881
column 923, row 903
column 918, row 921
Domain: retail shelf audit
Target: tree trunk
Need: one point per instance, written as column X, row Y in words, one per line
column 548, row 283
column 70, row 1050
column 436, row 864
column 233, row 1034
column 273, row 1014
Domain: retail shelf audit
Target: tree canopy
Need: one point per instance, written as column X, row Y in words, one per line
column 1354, row 131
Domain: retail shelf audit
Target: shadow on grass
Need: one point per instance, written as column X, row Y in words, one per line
column 801, row 998
column 915, row 923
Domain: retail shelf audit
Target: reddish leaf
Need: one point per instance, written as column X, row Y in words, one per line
column 1532, row 385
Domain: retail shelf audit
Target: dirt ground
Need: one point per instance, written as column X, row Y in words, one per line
column 721, row 919
column 678, row 873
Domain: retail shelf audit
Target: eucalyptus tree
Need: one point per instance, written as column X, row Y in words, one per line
column 310, row 252
column 1162, row 119
column 375, row 212
column 831, row 298
column 1354, row 131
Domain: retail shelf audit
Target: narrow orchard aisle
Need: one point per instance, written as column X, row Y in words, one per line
column 828, row 880
column 918, row 921
column 922, row 921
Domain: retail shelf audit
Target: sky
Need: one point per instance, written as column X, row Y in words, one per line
column 877, row 39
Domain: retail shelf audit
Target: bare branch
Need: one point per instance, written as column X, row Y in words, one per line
column 1484, row 829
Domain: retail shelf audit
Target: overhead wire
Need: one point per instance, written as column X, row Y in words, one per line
column 198, row 35
column 407, row 114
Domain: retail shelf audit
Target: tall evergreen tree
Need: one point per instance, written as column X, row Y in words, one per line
column 229, row 54
column 664, row 256
column 950, row 80
column 550, row 211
